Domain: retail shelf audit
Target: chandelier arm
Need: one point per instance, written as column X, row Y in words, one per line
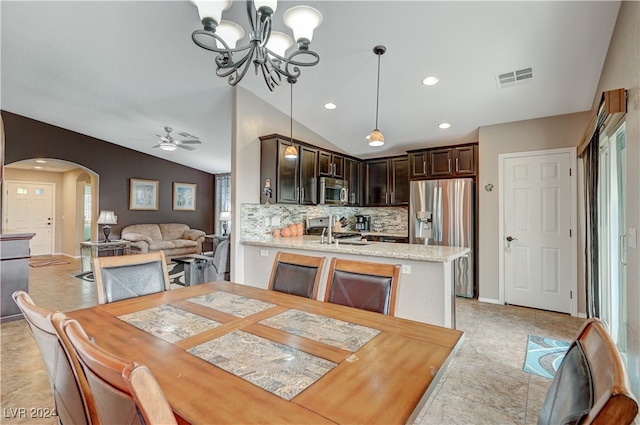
column 235, row 71
column 252, row 13
column 272, row 79
column 225, row 62
column 225, row 50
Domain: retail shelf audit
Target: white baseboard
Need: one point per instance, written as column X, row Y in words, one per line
column 582, row 315
column 489, row 300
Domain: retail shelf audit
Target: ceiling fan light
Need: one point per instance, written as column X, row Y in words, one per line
column 279, row 42
column 168, row 146
column 230, row 32
column 291, row 152
column 302, row 20
column 212, row 8
column 376, row 138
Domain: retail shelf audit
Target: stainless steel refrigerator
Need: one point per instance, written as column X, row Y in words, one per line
column 441, row 212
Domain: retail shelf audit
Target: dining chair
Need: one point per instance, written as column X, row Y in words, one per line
column 125, row 393
column 591, row 385
column 129, row 276
column 362, row 284
column 296, row 274
column 68, row 394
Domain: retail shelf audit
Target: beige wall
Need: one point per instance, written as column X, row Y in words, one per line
column 622, row 69
column 254, row 118
column 544, row 133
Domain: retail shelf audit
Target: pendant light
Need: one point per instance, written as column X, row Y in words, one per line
column 376, row 138
column 291, row 151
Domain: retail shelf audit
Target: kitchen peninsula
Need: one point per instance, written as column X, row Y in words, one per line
column 425, row 291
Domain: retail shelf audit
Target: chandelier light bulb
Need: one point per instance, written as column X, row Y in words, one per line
column 212, row 8
column 271, row 4
column 230, row 32
column 279, row 42
column 302, row 20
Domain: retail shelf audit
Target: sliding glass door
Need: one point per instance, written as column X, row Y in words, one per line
column 612, row 228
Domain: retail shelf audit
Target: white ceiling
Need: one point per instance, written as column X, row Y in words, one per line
column 121, row 71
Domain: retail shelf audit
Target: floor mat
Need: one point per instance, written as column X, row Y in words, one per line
column 544, row 355
column 44, row 261
column 176, row 274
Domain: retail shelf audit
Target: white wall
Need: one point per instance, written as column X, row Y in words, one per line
column 544, row 133
column 622, row 70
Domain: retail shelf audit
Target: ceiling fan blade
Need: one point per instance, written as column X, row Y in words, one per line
column 156, row 146
column 189, row 148
column 189, row 142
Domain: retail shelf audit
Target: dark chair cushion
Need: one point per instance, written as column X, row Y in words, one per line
column 570, row 396
column 294, row 279
column 123, row 282
column 362, row 291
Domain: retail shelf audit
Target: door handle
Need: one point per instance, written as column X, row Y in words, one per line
column 622, row 252
column 509, row 240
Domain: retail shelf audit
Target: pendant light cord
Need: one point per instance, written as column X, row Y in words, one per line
column 378, row 91
column 291, row 115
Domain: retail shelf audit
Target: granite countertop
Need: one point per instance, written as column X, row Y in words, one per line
column 433, row 253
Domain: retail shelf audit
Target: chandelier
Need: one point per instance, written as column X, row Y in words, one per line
column 266, row 49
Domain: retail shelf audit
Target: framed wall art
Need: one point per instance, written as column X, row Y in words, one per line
column 184, row 196
column 143, row 194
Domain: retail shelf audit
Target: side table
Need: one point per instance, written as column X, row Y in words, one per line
column 94, row 248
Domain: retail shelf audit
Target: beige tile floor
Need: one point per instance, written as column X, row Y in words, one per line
column 484, row 383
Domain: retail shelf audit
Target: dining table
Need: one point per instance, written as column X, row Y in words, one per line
column 228, row 353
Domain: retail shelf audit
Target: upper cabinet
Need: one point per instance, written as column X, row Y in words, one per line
column 452, row 162
column 293, row 180
column 353, row 175
column 446, row 162
column 387, row 181
column 331, row 165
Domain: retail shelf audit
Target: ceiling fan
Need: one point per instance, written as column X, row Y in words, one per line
column 168, row 143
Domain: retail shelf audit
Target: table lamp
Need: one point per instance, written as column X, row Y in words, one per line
column 225, row 216
column 107, row 217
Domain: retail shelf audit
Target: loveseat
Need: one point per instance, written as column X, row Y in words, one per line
column 173, row 238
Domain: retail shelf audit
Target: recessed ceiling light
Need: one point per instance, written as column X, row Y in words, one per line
column 444, row 125
column 429, row 81
column 41, row 161
column 330, row 106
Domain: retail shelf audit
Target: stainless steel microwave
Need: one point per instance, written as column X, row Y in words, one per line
column 334, row 191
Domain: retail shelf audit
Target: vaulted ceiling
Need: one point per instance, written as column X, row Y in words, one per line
column 121, row 71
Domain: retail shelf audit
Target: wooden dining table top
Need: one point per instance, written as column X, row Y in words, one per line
column 230, row 353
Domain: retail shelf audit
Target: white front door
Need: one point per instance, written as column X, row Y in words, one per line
column 538, row 192
column 29, row 208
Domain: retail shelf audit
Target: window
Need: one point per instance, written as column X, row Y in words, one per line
column 223, row 201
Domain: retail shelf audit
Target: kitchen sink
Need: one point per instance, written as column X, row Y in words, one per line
column 354, row 243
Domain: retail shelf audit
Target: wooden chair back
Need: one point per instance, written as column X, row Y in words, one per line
column 591, row 385
column 129, row 276
column 296, row 274
column 362, row 284
column 125, row 392
column 70, row 403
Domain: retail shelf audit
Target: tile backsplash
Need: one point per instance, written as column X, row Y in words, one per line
column 258, row 219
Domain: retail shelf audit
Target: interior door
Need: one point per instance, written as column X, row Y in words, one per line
column 29, row 208
column 537, row 218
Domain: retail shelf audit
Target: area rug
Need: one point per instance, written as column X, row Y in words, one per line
column 176, row 274
column 44, row 261
column 544, row 355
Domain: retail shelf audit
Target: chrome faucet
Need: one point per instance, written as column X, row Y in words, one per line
column 330, row 229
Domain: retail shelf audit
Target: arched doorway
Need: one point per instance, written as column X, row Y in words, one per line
column 74, row 196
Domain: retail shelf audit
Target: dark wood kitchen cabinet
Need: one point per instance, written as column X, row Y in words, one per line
column 353, row 175
column 330, row 165
column 293, row 180
column 453, row 161
column 387, row 181
column 418, row 168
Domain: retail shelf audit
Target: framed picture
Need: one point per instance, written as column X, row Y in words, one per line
column 184, row 196
column 143, row 194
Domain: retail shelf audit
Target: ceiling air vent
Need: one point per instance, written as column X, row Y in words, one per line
column 514, row 78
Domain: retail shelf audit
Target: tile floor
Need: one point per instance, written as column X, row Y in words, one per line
column 484, row 384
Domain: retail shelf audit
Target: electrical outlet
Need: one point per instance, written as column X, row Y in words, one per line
column 406, row 269
column 264, row 252
column 266, row 221
column 275, row 221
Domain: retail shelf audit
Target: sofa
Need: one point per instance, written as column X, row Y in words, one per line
column 175, row 239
